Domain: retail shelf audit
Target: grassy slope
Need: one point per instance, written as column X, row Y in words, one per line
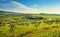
column 40, row 31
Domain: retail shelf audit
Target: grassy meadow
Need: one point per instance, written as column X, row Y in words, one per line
column 29, row 25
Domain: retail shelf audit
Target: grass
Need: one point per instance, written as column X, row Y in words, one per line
column 30, row 30
column 42, row 31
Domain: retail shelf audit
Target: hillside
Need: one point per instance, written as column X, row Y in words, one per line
column 29, row 25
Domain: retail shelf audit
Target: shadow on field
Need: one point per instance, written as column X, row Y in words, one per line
column 25, row 34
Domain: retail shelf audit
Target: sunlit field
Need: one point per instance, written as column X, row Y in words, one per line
column 29, row 25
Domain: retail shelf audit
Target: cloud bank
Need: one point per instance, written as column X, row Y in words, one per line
column 18, row 7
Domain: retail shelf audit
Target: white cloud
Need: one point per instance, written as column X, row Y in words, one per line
column 25, row 9
column 20, row 8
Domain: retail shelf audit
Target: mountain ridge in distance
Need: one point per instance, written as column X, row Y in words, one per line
column 6, row 12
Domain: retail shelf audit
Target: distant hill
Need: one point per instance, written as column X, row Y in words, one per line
column 49, row 14
column 6, row 12
column 15, row 13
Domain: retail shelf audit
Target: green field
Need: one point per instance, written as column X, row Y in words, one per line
column 29, row 25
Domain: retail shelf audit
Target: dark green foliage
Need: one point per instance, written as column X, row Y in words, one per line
column 45, row 28
column 58, row 21
column 2, row 24
column 12, row 25
column 54, row 26
column 34, row 18
column 47, row 21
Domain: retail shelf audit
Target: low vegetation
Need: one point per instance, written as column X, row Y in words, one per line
column 32, row 25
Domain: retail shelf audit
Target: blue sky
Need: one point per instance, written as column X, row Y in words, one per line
column 48, row 6
column 39, row 3
column 30, row 3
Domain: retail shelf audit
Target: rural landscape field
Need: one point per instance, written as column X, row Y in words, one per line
column 29, row 25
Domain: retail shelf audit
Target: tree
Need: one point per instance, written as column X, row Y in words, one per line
column 12, row 25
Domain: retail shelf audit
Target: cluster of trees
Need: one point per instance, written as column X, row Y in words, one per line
column 28, row 22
